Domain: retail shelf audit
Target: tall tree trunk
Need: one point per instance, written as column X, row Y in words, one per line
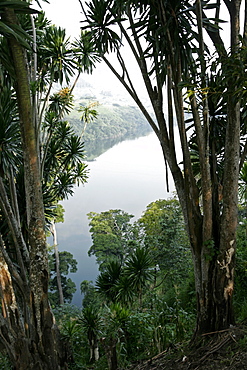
column 57, row 262
column 36, row 344
column 215, row 302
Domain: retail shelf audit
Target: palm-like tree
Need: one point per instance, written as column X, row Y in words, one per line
column 124, row 288
column 30, row 274
column 57, row 63
column 91, row 321
column 88, row 114
column 117, row 318
column 10, row 159
column 106, row 282
column 64, row 166
column 86, row 54
column 139, row 270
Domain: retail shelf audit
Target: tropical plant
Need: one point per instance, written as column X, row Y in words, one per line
column 10, row 156
column 122, row 282
column 88, row 114
column 31, row 270
column 90, row 294
column 106, row 282
column 91, row 321
column 116, row 335
column 139, row 269
column 86, row 55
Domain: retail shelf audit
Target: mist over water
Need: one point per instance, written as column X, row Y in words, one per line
column 128, row 176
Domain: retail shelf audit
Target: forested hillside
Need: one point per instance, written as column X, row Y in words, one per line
column 113, row 124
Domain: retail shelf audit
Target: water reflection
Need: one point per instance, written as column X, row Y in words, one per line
column 97, row 147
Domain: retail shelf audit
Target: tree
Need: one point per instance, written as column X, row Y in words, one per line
column 166, row 39
column 27, row 327
column 165, row 235
column 115, row 331
column 88, row 114
column 107, row 281
column 91, row 322
column 36, row 327
column 90, row 297
column 112, row 234
column 139, row 270
column 122, row 282
column 61, row 151
column 67, row 264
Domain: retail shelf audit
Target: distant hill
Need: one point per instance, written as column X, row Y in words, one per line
column 114, row 123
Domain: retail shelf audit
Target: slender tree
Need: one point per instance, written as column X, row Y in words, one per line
column 27, row 327
column 166, row 40
column 40, row 345
column 91, row 321
column 67, row 265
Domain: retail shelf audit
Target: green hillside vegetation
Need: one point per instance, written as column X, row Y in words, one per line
column 113, row 124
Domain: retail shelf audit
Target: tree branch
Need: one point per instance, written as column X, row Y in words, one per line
column 133, row 95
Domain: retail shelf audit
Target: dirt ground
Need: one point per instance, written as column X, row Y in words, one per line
column 226, row 350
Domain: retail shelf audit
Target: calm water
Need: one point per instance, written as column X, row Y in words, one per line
column 128, row 176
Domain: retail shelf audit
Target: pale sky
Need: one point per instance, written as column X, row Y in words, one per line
column 64, row 13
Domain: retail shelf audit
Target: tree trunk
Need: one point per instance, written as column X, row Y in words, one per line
column 28, row 330
column 94, row 348
column 215, row 301
column 111, row 352
column 56, row 253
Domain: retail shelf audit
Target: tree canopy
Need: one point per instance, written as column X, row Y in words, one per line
column 112, row 234
column 165, row 235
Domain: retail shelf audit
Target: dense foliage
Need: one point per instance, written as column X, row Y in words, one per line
column 142, row 300
column 112, row 235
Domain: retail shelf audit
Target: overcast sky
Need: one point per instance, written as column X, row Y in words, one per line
column 64, row 13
